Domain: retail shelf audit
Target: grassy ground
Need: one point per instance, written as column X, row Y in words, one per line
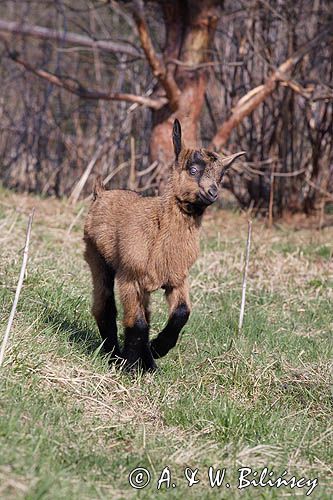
column 71, row 428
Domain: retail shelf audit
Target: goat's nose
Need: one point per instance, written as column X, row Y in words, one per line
column 212, row 191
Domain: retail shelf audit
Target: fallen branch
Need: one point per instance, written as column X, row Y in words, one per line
column 18, row 288
column 246, row 267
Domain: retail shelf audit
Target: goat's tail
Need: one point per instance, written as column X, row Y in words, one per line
column 98, row 187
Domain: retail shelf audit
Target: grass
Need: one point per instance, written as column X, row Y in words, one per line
column 72, row 428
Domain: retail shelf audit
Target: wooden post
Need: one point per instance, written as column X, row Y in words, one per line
column 246, row 267
column 18, row 288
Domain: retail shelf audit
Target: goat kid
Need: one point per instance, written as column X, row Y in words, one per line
column 147, row 243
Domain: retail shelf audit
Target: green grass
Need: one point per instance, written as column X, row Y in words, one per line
column 72, row 428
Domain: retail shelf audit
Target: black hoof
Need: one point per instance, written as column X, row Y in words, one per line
column 112, row 349
column 136, row 362
column 138, row 366
column 158, row 351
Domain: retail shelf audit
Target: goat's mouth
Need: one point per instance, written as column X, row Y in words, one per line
column 206, row 199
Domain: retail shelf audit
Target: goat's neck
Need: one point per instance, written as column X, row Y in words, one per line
column 180, row 215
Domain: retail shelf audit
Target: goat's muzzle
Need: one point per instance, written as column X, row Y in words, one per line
column 207, row 198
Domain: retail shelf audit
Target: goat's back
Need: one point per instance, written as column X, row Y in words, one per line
column 122, row 225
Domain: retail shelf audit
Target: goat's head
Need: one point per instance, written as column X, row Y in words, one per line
column 198, row 173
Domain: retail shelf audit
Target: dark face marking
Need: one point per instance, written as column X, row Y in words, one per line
column 196, row 165
column 199, row 180
column 212, row 156
column 198, row 174
column 202, row 167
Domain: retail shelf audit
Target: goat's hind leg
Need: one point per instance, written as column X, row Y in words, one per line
column 179, row 311
column 136, row 350
column 104, row 305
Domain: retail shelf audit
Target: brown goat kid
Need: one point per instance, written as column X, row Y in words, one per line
column 148, row 243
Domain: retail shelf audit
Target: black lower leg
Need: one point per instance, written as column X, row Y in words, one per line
column 107, row 326
column 106, row 311
column 136, row 350
column 168, row 337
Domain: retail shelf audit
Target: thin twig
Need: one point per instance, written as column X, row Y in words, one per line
column 18, row 288
column 193, row 67
column 75, row 194
column 322, row 214
column 328, row 195
column 74, row 221
column 252, row 170
column 111, row 175
column 115, row 172
column 132, row 172
column 246, row 266
column 271, row 199
column 151, row 167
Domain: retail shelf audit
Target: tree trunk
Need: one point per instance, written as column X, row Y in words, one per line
column 190, row 33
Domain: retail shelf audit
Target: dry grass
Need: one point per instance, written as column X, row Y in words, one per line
column 72, row 428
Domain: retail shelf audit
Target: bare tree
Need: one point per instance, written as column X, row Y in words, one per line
column 232, row 72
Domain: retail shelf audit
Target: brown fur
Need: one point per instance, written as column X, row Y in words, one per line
column 149, row 243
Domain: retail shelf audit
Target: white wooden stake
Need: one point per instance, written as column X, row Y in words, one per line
column 246, row 266
column 18, row 288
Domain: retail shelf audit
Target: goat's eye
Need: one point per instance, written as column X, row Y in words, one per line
column 193, row 170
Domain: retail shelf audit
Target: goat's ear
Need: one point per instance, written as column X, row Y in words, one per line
column 228, row 161
column 177, row 137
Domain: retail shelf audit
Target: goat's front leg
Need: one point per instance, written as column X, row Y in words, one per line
column 179, row 311
column 136, row 349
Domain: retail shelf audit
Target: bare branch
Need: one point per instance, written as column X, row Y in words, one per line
column 328, row 195
column 157, row 65
column 78, row 89
column 152, row 166
column 194, row 67
column 256, row 96
column 324, row 97
column 67, row 37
